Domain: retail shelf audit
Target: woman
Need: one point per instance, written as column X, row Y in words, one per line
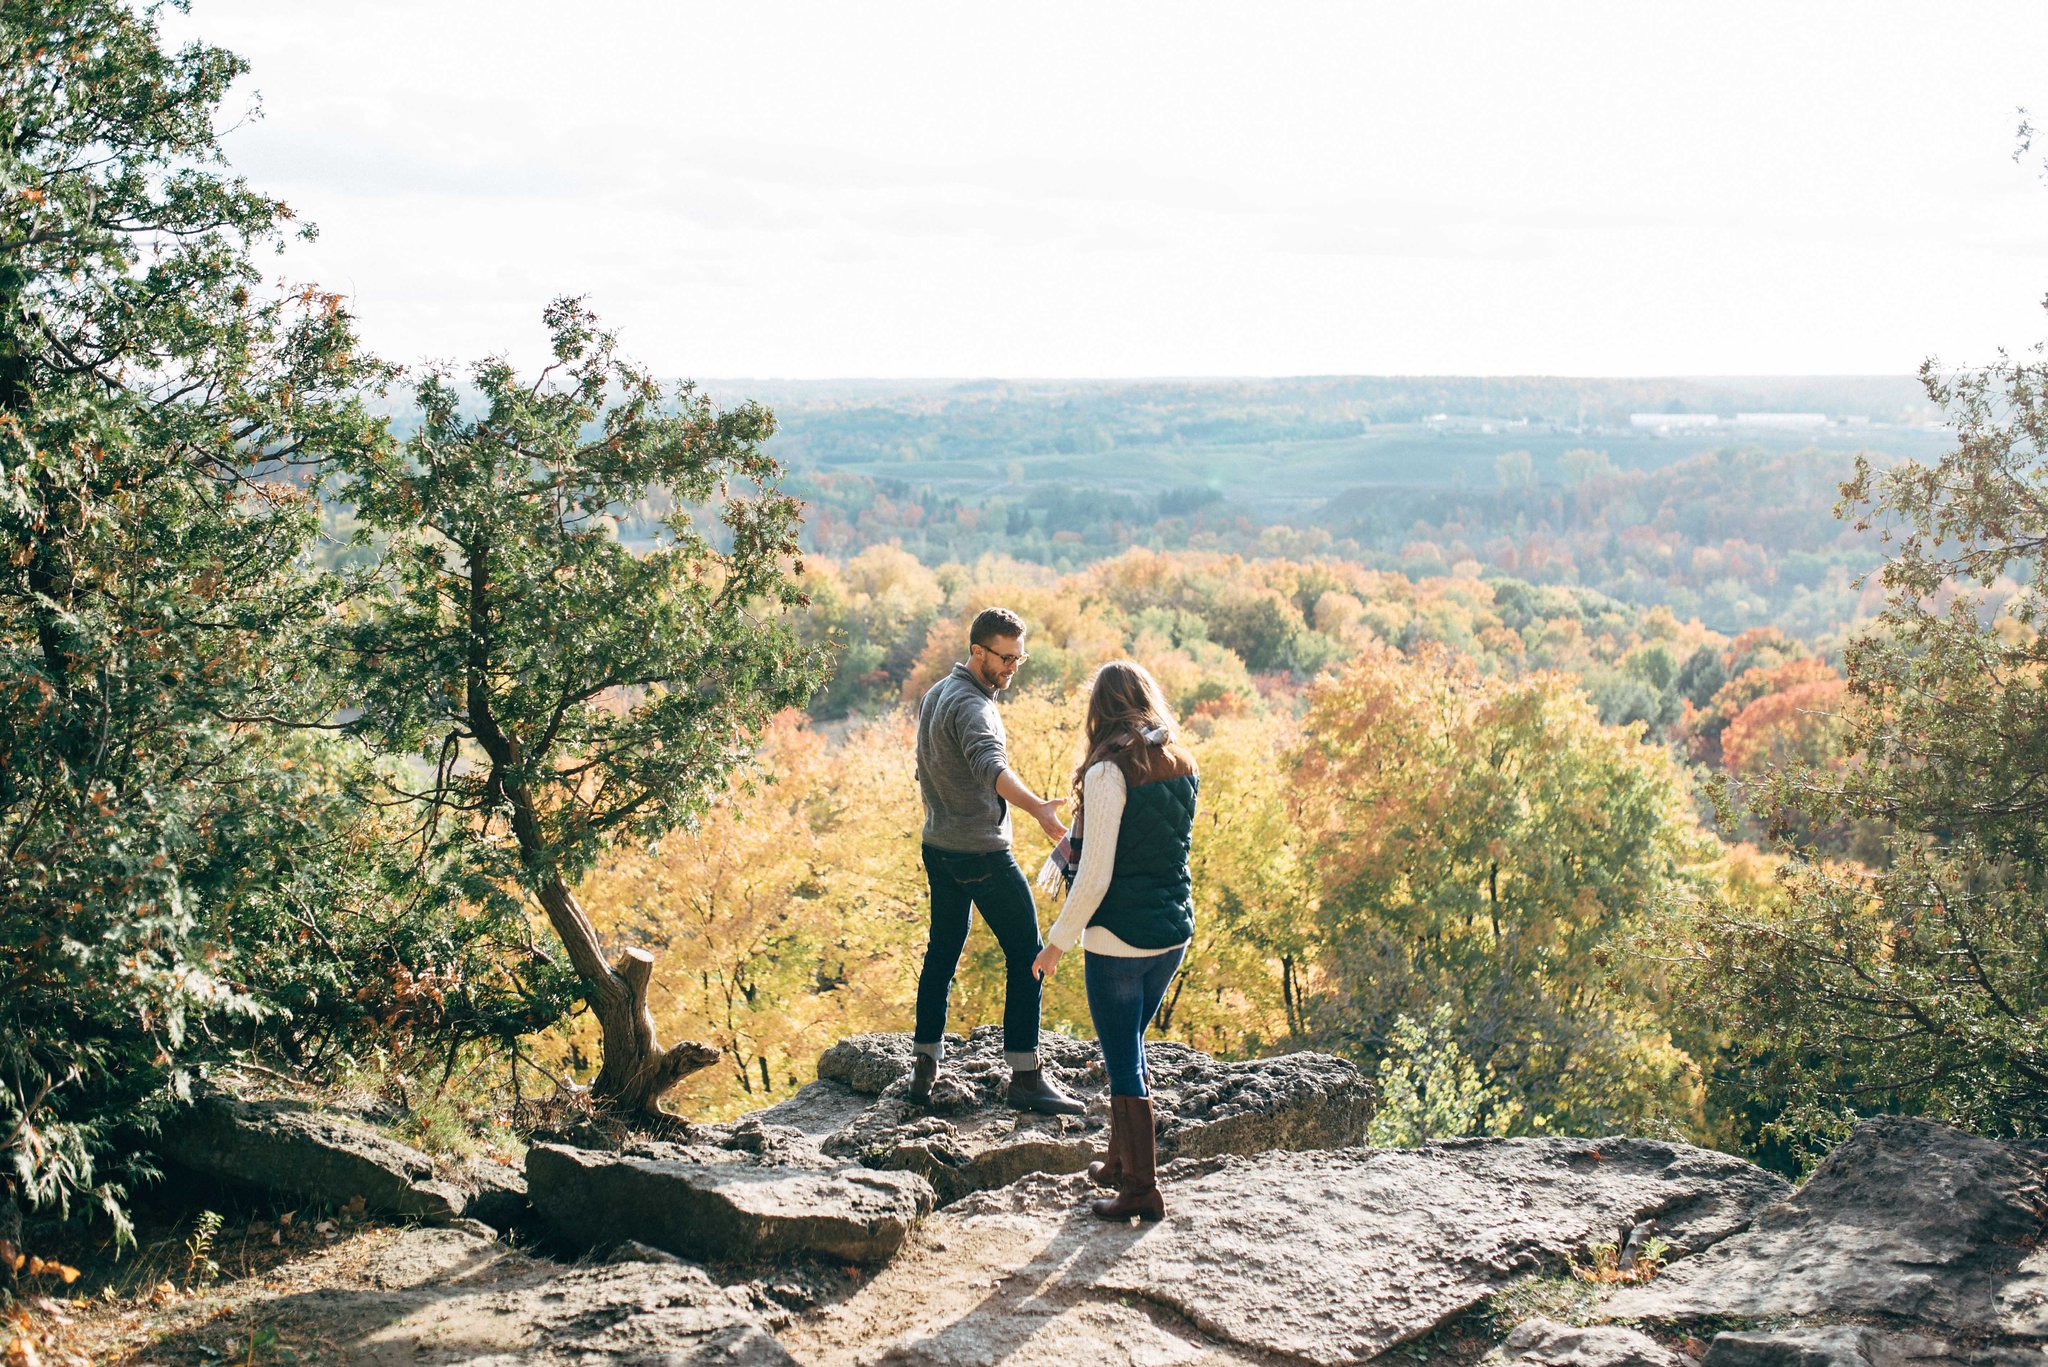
column 1130, row 906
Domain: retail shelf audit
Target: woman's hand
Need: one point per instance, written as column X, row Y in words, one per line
column 1047, row 960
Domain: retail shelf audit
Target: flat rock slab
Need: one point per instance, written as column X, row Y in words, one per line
column 704, row 1201
column 971, row 1140
column 1324, row 1257
column 1906, row 1219
column 287, row 1146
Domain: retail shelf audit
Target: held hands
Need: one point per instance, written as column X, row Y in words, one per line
column 1047, row 960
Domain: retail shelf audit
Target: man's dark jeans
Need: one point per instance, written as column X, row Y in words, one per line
column 993, row 883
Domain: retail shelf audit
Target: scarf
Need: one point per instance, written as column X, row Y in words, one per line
column 1057, row 873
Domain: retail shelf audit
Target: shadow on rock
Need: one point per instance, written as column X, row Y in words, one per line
column 1322, row 1257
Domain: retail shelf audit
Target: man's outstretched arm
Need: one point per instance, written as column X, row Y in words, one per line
column 1013, row 790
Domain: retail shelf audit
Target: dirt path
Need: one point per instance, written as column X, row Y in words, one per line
column 319, row 1304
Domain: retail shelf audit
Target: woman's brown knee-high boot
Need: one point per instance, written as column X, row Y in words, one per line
column 1138, row 1193
column 1108, row 1170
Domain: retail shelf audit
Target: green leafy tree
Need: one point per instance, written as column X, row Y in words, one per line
column 157, row 405
column 1921, row 984
column 564, row 691
column 1429, row 1090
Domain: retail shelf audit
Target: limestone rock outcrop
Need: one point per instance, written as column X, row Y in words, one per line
column 1907, row 1220
column 1914, row 1244
column 970, row 1140
column 844, row 1168
column 1546, row 1343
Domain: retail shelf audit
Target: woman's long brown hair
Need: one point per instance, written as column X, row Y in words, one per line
column 1124, row 703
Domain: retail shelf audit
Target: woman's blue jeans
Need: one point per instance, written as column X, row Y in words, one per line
column 1123, row 997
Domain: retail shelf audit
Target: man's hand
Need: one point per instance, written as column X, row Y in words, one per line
column 1018, row 794
column 1048, row 815
column 1047, row 960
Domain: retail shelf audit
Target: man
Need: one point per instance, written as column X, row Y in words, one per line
column 963, row 769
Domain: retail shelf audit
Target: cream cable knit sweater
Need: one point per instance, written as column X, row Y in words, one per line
column 1102, row 798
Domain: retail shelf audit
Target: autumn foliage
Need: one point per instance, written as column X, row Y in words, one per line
column 1435, row 814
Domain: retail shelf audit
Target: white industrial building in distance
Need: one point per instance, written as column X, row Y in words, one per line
column 1660, row 421
column 1781, row 420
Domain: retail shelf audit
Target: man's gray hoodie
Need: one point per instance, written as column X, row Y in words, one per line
column 961, row 752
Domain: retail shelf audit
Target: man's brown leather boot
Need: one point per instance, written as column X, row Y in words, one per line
column 1108, row 1170
column 924, row 1071
column 1032, row 1090
column 1138, row 1193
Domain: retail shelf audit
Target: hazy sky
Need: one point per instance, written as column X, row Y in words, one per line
column 887, row 189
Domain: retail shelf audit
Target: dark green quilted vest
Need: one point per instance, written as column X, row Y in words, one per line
column 1150, row 903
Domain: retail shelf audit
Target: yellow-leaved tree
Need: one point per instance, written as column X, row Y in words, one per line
column 791, row 911
column 1248, row 975
column 1487, row 845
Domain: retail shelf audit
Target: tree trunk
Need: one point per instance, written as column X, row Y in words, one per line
column 10, row 1238
column 636, row 1071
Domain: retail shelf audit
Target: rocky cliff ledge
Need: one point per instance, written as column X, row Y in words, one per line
column 1285, row 1242
column 970, row 1141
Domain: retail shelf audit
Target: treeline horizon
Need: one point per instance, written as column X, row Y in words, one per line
column 1733, row 525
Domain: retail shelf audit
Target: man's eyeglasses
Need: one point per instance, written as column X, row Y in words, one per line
column 1008, row 660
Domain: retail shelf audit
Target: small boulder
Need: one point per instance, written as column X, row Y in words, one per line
column 633, row 1251
column 1833, row 1345
column 724, row 1204
column 869, row 1063
column 287, row 1146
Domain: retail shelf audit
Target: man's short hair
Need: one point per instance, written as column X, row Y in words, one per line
column 990, row 623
